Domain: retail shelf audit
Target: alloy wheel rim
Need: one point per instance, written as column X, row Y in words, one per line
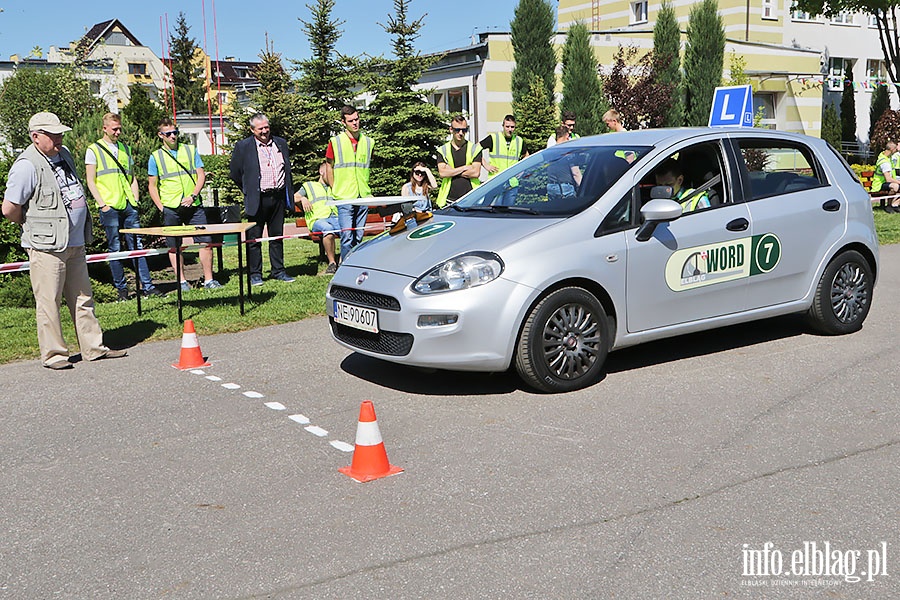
column 571, row 341
column 849, row 293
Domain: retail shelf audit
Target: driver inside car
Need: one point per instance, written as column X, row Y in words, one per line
column 670, row 173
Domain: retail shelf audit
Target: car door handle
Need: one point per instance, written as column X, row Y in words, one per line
column 832, row 205
column 738, row 225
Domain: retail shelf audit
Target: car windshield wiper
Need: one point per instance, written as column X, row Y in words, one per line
column 499, row 208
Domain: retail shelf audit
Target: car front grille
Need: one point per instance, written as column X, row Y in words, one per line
column 363, row 298
column 383, row 342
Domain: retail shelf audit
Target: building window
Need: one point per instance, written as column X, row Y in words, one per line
column 639, row 12
column 800, row 15
column 872, row 21
column 876, row 73
column 458, row 101
column 241, row 72
column 842, row 18
column 222, row 98
column 768, row 9
column 764, row 107
column 836, row 69
column 137, row 69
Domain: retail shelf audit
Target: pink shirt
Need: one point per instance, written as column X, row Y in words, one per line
column 271, row 166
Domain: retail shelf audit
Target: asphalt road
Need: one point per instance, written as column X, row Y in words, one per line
column 694, row 464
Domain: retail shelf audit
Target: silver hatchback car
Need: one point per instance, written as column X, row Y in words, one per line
column 609, row 241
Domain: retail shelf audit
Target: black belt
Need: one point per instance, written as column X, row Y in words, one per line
column 272, row 192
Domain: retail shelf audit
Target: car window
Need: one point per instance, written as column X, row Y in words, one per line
column 774, row 168
column 696, row 174
column 559, row 181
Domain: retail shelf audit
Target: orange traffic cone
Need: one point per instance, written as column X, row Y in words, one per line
column 191, row 357
column 370, row 459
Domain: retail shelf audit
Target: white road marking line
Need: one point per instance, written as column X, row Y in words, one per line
column 198, row 372
column 276, row 405
column 253, row 395
column 342, row 446
column 302, row 419
column 213, row 378
column 313, row 429
column 231, row 386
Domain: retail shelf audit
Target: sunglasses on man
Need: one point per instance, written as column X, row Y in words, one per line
column 169, row 133
column 461, row 129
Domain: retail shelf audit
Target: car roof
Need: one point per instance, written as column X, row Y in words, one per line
column 667, row 136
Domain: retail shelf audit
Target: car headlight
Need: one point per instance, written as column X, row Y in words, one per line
column 460, row 273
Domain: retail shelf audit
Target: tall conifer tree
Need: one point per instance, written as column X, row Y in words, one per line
column 848, row 108
column 187, row 74
column 406, row 128
column 582, row 93
column 536, row 116
column 667, row 61
column 531, row 32
column 704, row 57
column 880, row 103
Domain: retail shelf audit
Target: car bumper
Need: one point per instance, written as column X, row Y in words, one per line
column 482, row 338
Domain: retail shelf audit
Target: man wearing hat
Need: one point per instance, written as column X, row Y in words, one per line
column 44, row 196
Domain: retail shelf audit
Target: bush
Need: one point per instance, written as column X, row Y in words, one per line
column 216, row 167
column 15, row 291
column 887, row 128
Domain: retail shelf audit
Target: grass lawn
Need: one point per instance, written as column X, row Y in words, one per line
column 213, row 311
column 218, row 311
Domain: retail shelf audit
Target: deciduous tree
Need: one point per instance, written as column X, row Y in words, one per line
column 633, row 88
column 29, row 91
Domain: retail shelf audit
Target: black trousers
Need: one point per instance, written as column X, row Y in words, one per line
column 270, row 216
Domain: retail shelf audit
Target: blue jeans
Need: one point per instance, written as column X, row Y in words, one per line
column 113, row 220
column 353, row 224
column 326, row 226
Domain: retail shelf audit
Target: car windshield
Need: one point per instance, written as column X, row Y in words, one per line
column 559, row 181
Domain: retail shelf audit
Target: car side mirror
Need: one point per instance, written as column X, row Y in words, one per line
column 660, row 210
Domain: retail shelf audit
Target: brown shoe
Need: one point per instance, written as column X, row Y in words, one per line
column 113, row 354
column 60, row 365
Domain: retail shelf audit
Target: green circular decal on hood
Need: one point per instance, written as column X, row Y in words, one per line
column 430, row 230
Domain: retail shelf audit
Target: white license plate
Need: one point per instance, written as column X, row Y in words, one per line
column 356, row 316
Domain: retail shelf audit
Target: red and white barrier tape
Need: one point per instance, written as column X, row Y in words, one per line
column 108, row 256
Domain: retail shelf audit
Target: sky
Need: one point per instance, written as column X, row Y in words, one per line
column 241, row 29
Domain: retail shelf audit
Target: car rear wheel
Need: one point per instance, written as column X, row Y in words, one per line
column 564, row 342
column 843, row 296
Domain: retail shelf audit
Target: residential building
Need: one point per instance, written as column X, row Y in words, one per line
column 130, row 62
column 847, row 39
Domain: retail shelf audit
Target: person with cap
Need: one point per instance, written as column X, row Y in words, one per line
column 109, row 171
column 44, row 196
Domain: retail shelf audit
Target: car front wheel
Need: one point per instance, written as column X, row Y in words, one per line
column 564, row 342
column 843, row 296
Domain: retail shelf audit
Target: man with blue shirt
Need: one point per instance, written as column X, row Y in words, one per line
column 176, row 176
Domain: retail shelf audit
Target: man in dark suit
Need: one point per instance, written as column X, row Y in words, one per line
column 261, row 167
